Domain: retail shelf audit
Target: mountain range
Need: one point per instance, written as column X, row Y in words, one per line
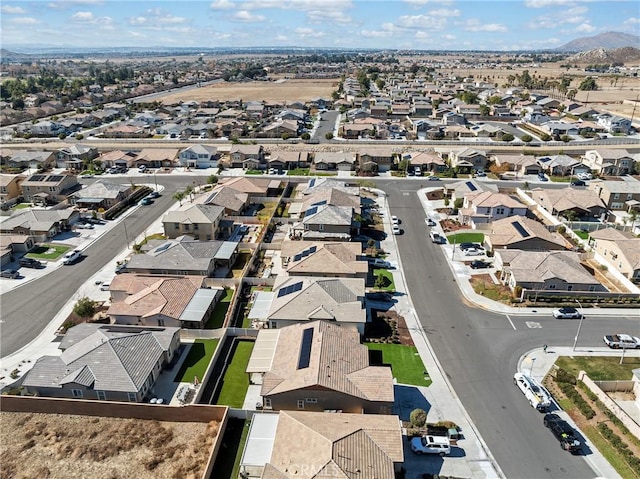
column 606, row 41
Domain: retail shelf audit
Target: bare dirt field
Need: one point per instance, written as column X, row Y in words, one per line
column 282, row 91
column 35, row 445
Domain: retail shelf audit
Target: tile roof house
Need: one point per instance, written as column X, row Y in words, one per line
column 618, row 195
column 561, row 165
column 233, row 201
column 584, row 203
column 426, row 160
column 316, row 367
column 72, row 157
column 314, row 185
column 104, row 362
column 101, row 194
column 614, row 162
column 45, row 189
column 10, row 188
column 461, row 188
column 376, row 160
column 157, row 157
column 184, row 256
column 287, row 160
column 518, row 232
column 545, row 271
column 328, row 223
column 30, row 159
column 118, row 158
column 621, row 251
column 341, row 161
column 327, row 445
column 42, row 225
column 199, row 156
column 334, row 259
column 157, row 300
column 487, row 206
column 468, row 159
column 239, row 154
column 520, row 164
column 200, row 221
column 254, row 187
column 300, row 300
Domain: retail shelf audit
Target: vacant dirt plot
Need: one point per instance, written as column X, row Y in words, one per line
column 54, row 445
column 286, row 91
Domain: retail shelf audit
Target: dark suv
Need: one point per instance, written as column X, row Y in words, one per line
column 563, row 432
column 30, row 263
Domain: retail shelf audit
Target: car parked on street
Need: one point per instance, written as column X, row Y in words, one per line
column 566, row 313
column 146, row 201
column 437, row 238
column 429, row 222
column 563, row 432
column 71, row 257
column 395, row 220
column 536, row 395
column 622, row 341
column 395, row 229
column 433, row 178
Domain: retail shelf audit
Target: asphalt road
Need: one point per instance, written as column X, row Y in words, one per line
column 326, row 125
column 479, row 351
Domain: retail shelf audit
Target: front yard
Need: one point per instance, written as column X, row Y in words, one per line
column 406, row 365
column 458, row 238
column 384, row 280
column 236, row 381
column 48, row 251
column 197, row 361
column 483, row 285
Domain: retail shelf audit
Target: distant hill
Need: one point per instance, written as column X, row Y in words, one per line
column 8, row 56
column 626, row 55
column 606, row 41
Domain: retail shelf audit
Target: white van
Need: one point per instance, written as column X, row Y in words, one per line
column 431, row 445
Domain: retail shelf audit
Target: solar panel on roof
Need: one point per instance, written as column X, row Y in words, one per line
column 163, row 247
column 313, row 249
column 311, row 211
column 292, row 288
column 471, row 186
column 323, row 202
column 520, row 229
column 37, row 177
column 56, row 178
column 297, row 257
column 312, row 182
column 305, row 348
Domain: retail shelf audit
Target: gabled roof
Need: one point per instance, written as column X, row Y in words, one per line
column 36, row 220
column 329, row 215
column 567, row 199
column 252, row 186
column 309, row 257
column 194, row 214
column 227, row 197
column 334, row 197
column 102, row 188
column 316, row 185
column 489, row 199
column 202, row 150
column 334, row 157
column 515, row 229
column 105, row 357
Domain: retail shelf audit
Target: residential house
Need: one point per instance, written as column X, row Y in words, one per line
column 379, row 160
column 102, row 194
column 157, row 157
column 327, row 223
column 486, row 130
column 200, row 221
column 24, row 159
column 282, row 128
column 320, row 259
column 584, row 112
column 613, row 162
column 614, row 123
column 199, row 156
column 570, row 202
column 332, row 161
column 621, row 251
column 519, row 232
column 560, row 128
column 561, row 165
column 45, row 189
column 239, row 155
column 334, row 197
column 301, row 370
column 74, row 156
column 426, row 161
column 10, row 189
column 46, row 128
column 288, row 160
column 545, row 271
column 353, row 131
column 97, row 363
column 549, row 103
column 117, row 158
column 13, row 245
column 256, row 188
column 156, row 300
column 520, row 164
column 305, row 299
column 451, row 118
column 487, row 206
column 41, row 225
column 468, row 159
column 461, row 188
column 326, row 445
column 127, row 131
column 618, row 195
column 233, row 201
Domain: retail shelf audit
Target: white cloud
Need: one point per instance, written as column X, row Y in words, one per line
column 421, row 35
column 9, row 10
column 170, row 19
column 84, row 17
column 445, row 12
column 67, row 4
column 547, row 3
column 474, row 25
column 632, row 21
column 376, row 33
column 300, row 5
column 448, row 36
column 419, row 21
column 331, row 16
column 577, row 11
column 304, row 32
column 24, row 21
column 222, row 5
column 573, row 20
column 282, row 38
column 136, row 34
column 245, row 16
column 586, row 28
column 138, row 21
column 420, row 3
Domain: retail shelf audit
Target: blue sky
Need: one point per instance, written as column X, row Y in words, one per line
column 419, row 24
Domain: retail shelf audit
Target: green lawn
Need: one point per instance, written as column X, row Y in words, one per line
column 600, row 368
column 20, row 206
column 236, row 381
column 388, row 275
column 48, row 251
column 610, row 453
column 216, row 320
column 583, row 235
column 458, row 238
column 560, row 179
column 406, row 364
column 253, row 172
column 298, row 172
column 197, row 361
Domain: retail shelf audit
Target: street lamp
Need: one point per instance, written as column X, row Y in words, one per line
column 575, row 341
column 533, row 360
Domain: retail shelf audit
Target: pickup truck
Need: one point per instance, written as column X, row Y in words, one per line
column 563, row 432
column 622, row 341
column 535, row 394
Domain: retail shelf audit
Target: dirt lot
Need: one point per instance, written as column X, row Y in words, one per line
column 52, row 445
column 282, row 91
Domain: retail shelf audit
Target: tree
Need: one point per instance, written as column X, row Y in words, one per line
column 632, row 217
column 484, row 110
column 329, row 136
column 403, row 165
column 305, row 136
column 212, row 179
column 178, row 196
column 545, row 137
column 507, row 137
column 565, row 138
column 526, row 138
column 85, row 307
column 588, row 84
column 571, row 94
column 190, row 192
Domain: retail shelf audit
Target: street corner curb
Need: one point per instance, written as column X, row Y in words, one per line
column 525, row 355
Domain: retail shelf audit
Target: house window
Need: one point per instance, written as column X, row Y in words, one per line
column 300, row 403
column 133, row 397
column 77, row 393
column 267, row 403
column 176, row 226
column 500, row 211
column 616, row 196
column 274, row 325
column 552, row 286
column 196, row 226
column 570, row 287
column 312, row 400
column 186, row 227
column 592, row 288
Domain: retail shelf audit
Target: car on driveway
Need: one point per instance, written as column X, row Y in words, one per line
column 9, row 273
column 541, row 177
column 71, row 257
column 563, row 432
column 380, row 296
column 480, row 264
column 566, row 313
column 440, row 445
column 30, row 263
column 473, row 252
column 85, row 226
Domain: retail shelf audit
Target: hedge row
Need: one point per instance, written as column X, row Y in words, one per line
column 630, row 458
column 590, row 394
column 577, row 399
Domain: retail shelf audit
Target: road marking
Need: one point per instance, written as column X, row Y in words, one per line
column 533, row 325
column 511, row 322
column 406, row 194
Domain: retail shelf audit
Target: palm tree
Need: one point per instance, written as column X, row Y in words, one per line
column 178, row 196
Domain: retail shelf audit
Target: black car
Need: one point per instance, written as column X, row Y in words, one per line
column 563, row 432
column 9, row 273
column 578, row 183
column 30, row 263
column 479, row 264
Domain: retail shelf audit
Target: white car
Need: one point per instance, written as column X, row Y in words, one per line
column 395, row 220
column 622, row 341
column 566, row 313
column 85, row 226
column 536, row 394
column 71, row 257
column 395, row 229
column 473, row 252
column 431, row 445
column 429, row 222
column 436, row 238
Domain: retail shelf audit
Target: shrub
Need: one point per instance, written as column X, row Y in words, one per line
column 85, row 307
column 418, row 418
column 526, row 138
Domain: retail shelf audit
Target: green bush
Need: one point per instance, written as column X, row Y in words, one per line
column 85, row 308
column 564, row 376
column 577, row 399
column 418, row 418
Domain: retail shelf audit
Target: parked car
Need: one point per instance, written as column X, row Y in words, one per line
column 473, row 252
column 622, row 341
column 585, row 176
column 563, row 432
column 121, row 268
column 30, row 263
column 433, row 178
column 9, row 273
column 480, row 264
column 71, row 257
column 542, row 177
column 85, row 226
column 535, row 394
column 379, row 263
column 578, row 183
column 464, row 246
column 440, row 445
column 146, row 201
column 395, row 220
column 154, row 194
column 142, row 168
column 429, row 222
column 437, row 238
column 566, row 313
column 395, row 229
column 105, row 286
